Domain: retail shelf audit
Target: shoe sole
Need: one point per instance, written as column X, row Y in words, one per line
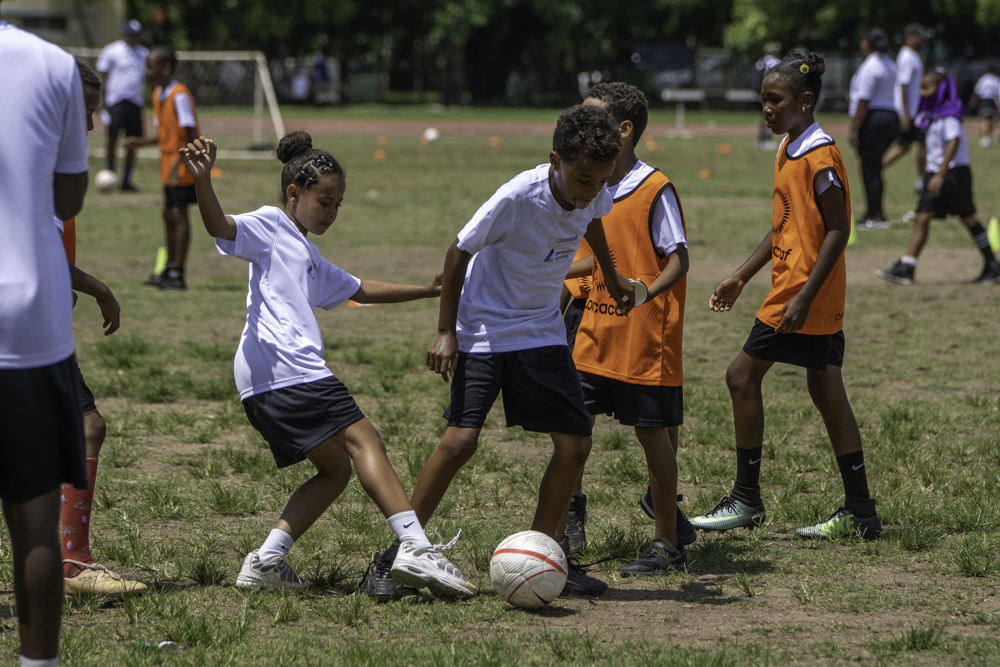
column 569, row 592
column 416, row 580
column 246, row 582
column 755, row 521
column 888, row 277
column 123, row 592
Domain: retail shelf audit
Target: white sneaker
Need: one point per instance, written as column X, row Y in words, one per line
column 985, row 142
column 427, row 567
column 275, row 574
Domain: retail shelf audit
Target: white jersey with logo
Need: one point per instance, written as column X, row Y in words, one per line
column 523, row 243
column 909, row 71
column 666, row 224
column 44, row 133
column 281, row 345
column 874, row 81
column 939, row 133
column 125, row 67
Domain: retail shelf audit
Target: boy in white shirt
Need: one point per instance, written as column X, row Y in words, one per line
column 984, row 101
column 906, row 94
column 500, row 328
column 948, row 182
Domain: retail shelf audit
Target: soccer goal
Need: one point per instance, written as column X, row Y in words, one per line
column 236, row 83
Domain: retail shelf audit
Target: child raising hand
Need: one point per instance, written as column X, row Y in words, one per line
column 290, row 396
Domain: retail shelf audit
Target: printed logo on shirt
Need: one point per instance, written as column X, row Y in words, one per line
column 559, row 255
column 781, row 254
column 604, row 308
column 571, row 239
column 313, row 270
column 781, row 199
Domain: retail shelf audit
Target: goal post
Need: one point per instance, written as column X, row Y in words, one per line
column 225, row 79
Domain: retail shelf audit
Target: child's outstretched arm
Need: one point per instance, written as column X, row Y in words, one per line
column 199, row 156
column 444, row 350
column 87, row 284
column 834, row 210
column 376, row 291
column 620, row 289
column 729, row 290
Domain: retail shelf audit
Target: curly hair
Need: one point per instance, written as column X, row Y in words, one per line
column 801, row 73
column 88, row 76
column 625, row 102
column 304, row 165
column 587, row 130
column 164, row 53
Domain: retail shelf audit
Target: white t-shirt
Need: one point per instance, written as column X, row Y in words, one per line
column 125, row 67
column 522, row 243
column 182, row 107
column 281, row 345
column 44, row 133
column 988, row 86
column 766, row 63
column 812, row 137
column 939, row 133
column 909, row 71
column 874, row 81
column 667, row 226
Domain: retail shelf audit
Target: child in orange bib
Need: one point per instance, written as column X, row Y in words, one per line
column 801, row 319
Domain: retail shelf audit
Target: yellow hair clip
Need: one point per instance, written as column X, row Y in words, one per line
column 804, row 68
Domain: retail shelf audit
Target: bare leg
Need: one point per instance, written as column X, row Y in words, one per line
column 182, row 235
column 318, row 492
column 662, row 467
column 744, row 378
column 560, row 479
column 112, row 145
column 95, row 431
column 894, row 154
column 365, row 447
column 170, row 228
column 38, row 572
column 918, row 237
column 826, row 388
column 454, row 451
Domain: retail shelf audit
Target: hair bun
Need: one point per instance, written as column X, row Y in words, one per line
column 293, row 145
column 817, row 66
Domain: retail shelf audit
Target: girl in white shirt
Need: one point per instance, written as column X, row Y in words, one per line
column 289, row 394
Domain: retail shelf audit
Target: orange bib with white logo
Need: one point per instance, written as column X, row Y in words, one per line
column 798, row 232
column 171, row 136
column 645, row 347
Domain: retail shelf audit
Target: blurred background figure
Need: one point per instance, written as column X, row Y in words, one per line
column 984, row 101
column 122, row 68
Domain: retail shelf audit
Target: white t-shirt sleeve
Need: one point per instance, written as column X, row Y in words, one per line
column 185, row 112
column 668, row 225
column 491, row 223
column 825, row 180
column 72, row 156
column 951, row 129
column 604, row 203
column 256, row 234
column 905, row 67
column 104, row 60
column 334, row 286
column 867, row 81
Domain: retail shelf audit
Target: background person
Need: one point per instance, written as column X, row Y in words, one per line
column 43, row 158
column 906, row 94
column 984, row 101
column 122, row 68
column 874, row 123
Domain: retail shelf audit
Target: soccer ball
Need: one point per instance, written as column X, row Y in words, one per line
column 528, row 569
column 106, row 180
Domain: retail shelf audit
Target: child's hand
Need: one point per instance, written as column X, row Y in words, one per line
column 131, row 143
column 435, row 286
column 442, row 354
column 111, row 310
column 935, row 183
column 199, row 156
column 173, row 178
column 623, row 292
column 725, row 294
column 793, row 315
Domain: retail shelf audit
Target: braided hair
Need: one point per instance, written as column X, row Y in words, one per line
column 801, row 73
column 304, row 165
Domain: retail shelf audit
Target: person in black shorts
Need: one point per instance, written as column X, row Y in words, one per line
column 121, row 67
column 947, row 184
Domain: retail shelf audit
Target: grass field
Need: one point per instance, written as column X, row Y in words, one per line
column 186, row 488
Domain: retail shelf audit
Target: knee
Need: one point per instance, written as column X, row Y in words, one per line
column 737, row 380
column 95, row 430
column 459, row 446
column 576, row 448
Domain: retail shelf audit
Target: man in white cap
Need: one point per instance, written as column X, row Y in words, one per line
column 122, row 68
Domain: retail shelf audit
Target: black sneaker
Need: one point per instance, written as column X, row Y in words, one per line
column 379, row 583
column 153, row 280
column 576, row 521
column 901, row 274
column 686, row 534
column 659, row 558
column 172, row 279
column 577, row 581
column 990, row 274
column 128, row 187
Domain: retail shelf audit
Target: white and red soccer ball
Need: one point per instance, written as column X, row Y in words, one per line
column 528, row 569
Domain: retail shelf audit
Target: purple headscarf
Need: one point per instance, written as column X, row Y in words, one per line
column 944, row 103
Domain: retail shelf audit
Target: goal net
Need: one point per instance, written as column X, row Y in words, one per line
column 233, row 93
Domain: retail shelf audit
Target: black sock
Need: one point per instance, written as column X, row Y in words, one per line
column 981, row 239
column 747, row 487
column 852, row 471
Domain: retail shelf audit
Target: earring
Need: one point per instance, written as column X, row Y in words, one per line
column 804, row 109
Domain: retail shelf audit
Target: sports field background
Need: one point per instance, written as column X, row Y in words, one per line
column 186, row 487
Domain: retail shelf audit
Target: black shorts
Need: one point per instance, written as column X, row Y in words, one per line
column 811, row 351
column 541, row 390
column 955, row 197
column 294, row 420
column 633, row 404
column 911, row 136
column 126, row 116
column 987, row 108
column 572, row 318
column 179, row 197
column 87, row 401
column 41, row 431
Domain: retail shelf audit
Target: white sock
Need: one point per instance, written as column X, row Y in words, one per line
column 31, row 662
column 407, row 527
column 277, row 544
column 909, row 261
